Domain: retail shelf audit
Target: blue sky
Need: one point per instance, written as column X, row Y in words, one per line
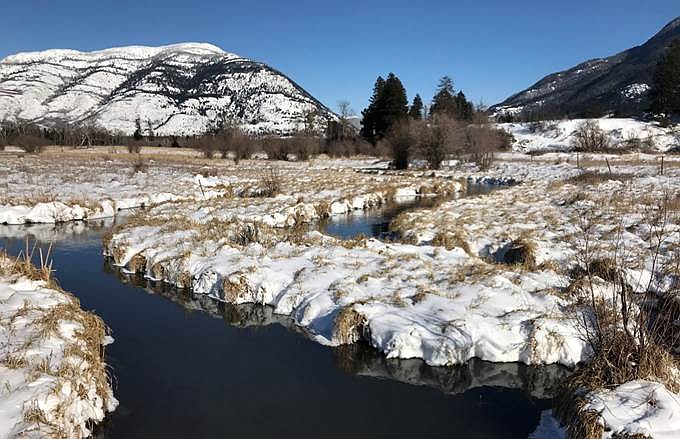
column 335, row 50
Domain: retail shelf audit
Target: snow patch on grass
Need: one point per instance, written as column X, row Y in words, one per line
column 53, row 378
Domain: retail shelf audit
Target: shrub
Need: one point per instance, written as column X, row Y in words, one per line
column 275, row 148
column 482, row 142
column 589, row 137
column 399, row 142
column 208, row 145
column 349, row 147
column 438, row 138
column 302, row 146
column 270, row 183
column 631, row 336
column 134, row 146
column 30, row 143
column 242, row 146
column 592, row 178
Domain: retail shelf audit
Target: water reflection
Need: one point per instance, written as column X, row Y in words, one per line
column 363, row 360
column 375, row 223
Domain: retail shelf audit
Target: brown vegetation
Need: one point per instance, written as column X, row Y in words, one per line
column 589, row 137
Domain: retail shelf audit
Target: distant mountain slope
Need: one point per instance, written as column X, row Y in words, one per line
column 178, row 89
column 619, row 84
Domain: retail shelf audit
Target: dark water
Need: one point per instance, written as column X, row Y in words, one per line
column 376, row 222
column 190, row 367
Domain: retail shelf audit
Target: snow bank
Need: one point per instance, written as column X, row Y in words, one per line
column 406, row 301
column 73, row 191
column 54, row 381
column 637, row 407
column 559, row 135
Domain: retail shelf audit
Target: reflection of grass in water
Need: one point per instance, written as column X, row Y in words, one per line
column 537, row 382
column 360, row 358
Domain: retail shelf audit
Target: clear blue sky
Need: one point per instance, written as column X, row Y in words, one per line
column 335, row 50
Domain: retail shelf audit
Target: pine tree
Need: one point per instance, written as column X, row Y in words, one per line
column 444, row 101
column 666, row 91
column 138, row 130
column 464, row 108
column 387, row 106
column 447, row 102
column 368, row 120
column 416, row 110
column 393, row 106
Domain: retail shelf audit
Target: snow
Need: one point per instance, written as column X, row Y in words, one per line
column 635, row 91
column 512, row 321
column 559, row 135
column 90, row 188
column 35, row 361
column 445, row 306
column 637, row 407
column 444, row 293
column 112, row 88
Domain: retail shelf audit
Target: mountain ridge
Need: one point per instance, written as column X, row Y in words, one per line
column 619, row 84
column 177, row 89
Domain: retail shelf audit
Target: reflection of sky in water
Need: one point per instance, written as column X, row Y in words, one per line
column 376, row 222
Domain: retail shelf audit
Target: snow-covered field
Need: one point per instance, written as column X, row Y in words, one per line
column 559, row 135
column 52, row 375
column 60, row 187
column 490, row 277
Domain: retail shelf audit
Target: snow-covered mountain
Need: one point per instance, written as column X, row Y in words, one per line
column 618, row 84
column 181, row 89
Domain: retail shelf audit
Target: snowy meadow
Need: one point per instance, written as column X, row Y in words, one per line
column 570, row 260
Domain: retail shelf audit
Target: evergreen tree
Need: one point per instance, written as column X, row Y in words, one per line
column 666, row 91
column 416, row 110
column 138, row 130
column 464, row 108
column 387, row 106
column 444, row 101
column 368, row 120
column 393, row 105
column 447, row 102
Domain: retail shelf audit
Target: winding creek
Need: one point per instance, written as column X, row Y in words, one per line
column 191, row 367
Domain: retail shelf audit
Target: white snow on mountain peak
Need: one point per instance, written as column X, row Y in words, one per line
column 178, row 89
column 129, row 52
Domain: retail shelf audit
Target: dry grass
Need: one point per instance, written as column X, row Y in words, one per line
column 137, row 263
column 34, row 415
column 520, row 252
column 450, row 241
column 82, row 363
column 349, row 326
column 593, row 178
column 23, row 266
column 234, row 287
column 617, row 363
column 246, row 234
column 15, row 362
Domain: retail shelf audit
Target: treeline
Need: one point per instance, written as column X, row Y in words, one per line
column 224, row 140
column 666, row 89
column 450, row 127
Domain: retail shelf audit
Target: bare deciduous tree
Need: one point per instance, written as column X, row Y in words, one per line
column 345, row 112
column 399, row 141
column 589, row 137
column 438, row 138
column 482, row 142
